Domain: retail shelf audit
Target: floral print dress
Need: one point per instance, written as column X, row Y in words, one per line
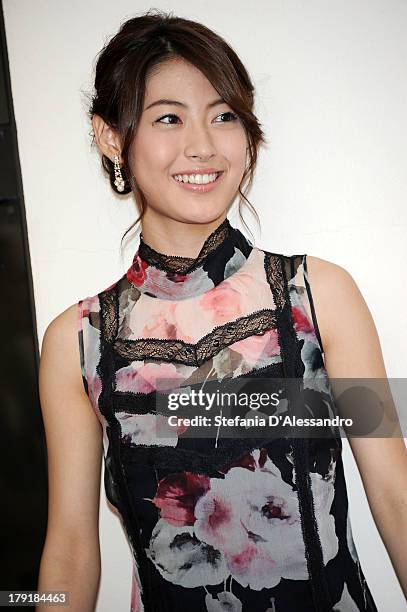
column 246, row 523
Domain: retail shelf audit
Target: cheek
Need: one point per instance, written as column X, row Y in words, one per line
column 151, row 154
column 234, row 149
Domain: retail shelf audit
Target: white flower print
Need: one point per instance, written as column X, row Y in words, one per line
column 225, row 602
column 246, row 525
column 253, row 518
column 182, row 559
column 323, row 492
column 147, row 429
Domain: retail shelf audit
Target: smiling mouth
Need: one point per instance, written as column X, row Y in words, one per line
column 208, row 181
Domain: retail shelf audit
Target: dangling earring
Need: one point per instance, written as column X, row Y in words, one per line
column 119, row 182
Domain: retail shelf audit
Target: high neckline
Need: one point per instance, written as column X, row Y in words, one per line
column 174, row 277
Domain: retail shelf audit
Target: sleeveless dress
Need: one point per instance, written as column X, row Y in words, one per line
column 245, row 523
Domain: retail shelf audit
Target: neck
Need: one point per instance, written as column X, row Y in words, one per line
column 178, row 238
column 169, row 276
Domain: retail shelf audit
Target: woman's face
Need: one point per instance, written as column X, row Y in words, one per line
column 182, row 135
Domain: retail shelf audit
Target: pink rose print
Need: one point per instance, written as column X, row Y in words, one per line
column 252, row 516
column 94, row 390
column 301, row 321
column 248, row 461
column 173, row 285
column 222, row 302
column 176, row 277
column 137, row 272
column 148, row 377
column 246, row 525
column 177, row 495
column 246, row 355
column 161, row 325
column 255, row 349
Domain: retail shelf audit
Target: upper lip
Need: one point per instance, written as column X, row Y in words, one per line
column 198, row 171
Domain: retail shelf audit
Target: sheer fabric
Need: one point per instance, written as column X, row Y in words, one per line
column 242, row 524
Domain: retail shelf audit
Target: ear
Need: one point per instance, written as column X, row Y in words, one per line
column 107, row 139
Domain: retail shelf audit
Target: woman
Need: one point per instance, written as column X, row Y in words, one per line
column 214, row 522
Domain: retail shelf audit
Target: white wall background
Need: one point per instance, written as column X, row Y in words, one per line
column 332, row 98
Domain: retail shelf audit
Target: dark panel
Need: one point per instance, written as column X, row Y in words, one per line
column 23, row 474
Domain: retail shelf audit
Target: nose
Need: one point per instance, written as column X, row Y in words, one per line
column 199, row 143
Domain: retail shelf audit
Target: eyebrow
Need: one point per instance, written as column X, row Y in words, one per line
column 178, row 103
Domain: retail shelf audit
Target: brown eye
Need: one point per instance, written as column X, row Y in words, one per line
column 233, row 116
column 164, row 117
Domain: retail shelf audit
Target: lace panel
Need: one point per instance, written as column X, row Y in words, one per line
column 182, row 265
column 196, row 354
column 139, row 402
column 274, row 273
column 109, row 304
column 209, row 461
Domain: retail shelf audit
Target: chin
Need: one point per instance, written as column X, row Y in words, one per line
column 202, row 216
column 192, row 212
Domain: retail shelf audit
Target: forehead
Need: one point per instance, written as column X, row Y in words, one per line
column 178, row 79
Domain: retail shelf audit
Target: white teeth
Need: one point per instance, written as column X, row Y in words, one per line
column 197, row 179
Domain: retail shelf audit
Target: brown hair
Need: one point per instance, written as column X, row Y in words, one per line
column 142, row 44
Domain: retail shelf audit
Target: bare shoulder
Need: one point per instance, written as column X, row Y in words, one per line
column 345, row 321
column 332, row 286
column 65, row 322
column 60, row 372
column 60, row 344
column 325, row 274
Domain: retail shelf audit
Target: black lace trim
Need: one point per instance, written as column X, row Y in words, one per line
column 109, row 314
column 283, row 269
column 312, row 305
column 178, row 351
column 184, row 265
column 137, row 402
column 209, row 461
column 274, row 274
column 117, row 489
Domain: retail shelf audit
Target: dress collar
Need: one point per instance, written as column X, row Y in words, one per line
column 174, row 277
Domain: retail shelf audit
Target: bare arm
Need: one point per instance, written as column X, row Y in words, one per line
column 352, row 350
column 71, row 555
